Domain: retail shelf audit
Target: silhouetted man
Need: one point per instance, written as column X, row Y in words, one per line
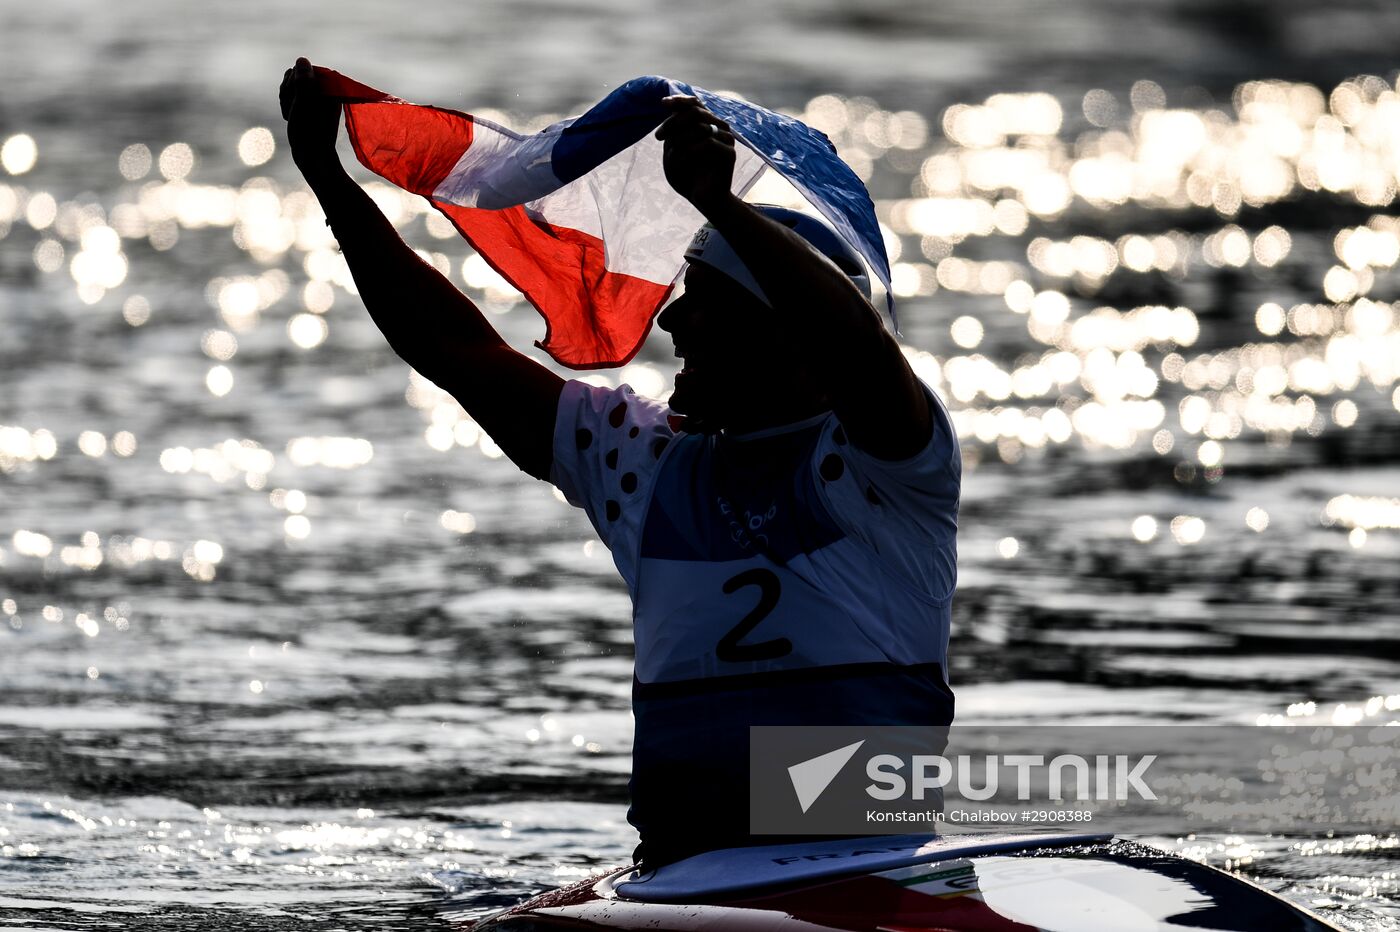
column 785, row 524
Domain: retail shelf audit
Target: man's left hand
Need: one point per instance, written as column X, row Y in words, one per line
column 699, row 153
column 313, row 120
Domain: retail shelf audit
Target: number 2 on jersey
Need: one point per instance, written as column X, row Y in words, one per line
column 769, row 589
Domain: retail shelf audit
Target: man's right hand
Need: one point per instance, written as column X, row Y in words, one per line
column 312, row 120
column 699, row 154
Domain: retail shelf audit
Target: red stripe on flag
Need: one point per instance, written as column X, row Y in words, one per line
column 594, row 318
column 345, row 89
column 414, row 147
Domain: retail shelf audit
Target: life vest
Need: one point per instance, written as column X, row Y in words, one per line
column 777, row 577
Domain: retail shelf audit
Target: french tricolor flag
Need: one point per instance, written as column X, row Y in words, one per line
column 579, row 216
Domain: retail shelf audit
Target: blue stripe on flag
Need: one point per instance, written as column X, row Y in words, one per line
column 807, row 159
column 801, row 154
column 617, row 121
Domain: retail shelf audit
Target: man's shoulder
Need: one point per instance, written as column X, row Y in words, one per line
column 620, row 407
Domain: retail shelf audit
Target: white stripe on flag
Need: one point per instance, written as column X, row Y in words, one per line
column 626, row 202
column 500, row 169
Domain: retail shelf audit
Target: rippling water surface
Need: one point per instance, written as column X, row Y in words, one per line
column 282, row 636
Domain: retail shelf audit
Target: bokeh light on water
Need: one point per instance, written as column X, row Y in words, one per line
column 281, row 630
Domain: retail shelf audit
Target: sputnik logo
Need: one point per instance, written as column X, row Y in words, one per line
column 811, row 777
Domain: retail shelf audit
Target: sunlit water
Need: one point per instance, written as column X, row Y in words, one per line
column 281, row 633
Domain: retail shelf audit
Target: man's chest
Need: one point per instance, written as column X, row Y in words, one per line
column 715, row 505
column 743, row 571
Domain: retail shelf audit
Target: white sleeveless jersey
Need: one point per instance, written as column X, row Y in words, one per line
column 778, row 577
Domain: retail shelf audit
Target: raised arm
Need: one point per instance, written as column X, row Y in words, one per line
column 428, row 322
column 873, row 391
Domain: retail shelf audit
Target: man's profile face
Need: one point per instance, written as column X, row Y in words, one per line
column 731, row 350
